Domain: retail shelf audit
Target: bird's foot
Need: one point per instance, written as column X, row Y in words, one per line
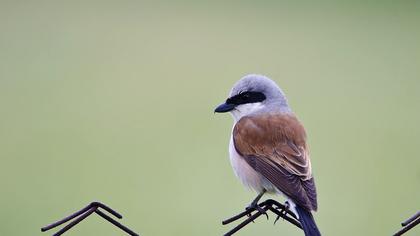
column 283, row 211
column 255, row 207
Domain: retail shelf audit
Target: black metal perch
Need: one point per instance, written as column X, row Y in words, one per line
column 85, row 212
column 409, row 224
column 277, row 208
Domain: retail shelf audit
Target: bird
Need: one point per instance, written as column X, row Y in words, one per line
column 268, row 149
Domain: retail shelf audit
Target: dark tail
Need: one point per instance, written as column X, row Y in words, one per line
column 307, row 221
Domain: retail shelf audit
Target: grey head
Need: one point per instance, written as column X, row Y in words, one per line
column 254, row 94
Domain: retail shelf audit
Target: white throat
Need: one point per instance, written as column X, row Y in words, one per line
column 245, row 109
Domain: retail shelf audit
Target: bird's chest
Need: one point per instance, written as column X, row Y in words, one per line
column 248, row 176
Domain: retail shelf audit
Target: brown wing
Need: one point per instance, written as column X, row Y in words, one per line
column 275, row 146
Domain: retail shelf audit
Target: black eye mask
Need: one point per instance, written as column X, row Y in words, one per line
column 246, row 97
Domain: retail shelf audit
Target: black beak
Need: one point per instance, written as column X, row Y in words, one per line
column 224, row 107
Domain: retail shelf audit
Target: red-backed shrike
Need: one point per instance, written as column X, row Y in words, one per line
column 268, row 149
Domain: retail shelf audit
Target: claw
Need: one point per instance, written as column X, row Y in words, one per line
column 282, row 211
column 256, row 207
column 269, row 204
column 275, row 221
column 248, row 208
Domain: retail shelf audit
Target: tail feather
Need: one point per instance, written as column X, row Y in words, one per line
column 307, row 221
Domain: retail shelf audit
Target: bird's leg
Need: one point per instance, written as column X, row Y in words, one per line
column 255, row 201
column 266, row 205
column 254, row 205
column 283, row 211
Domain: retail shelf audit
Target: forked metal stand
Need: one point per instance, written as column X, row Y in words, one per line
column 268, row 205
column 85, row 212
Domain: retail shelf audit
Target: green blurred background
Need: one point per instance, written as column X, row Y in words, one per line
column 113, row 101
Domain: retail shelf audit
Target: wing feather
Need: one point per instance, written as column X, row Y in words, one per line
column 275, row 146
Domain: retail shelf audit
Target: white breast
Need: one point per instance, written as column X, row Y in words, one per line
column 248, row 176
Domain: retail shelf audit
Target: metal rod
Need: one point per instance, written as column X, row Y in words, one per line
column 269, row 204
column 411, row 219
column 284, row 216
column 116, row 223
column 108, row 209
column 75, row 222
column 64, row 220
column 242, row 214
column 85, row 212
column 245, row 222
column 408, row 227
